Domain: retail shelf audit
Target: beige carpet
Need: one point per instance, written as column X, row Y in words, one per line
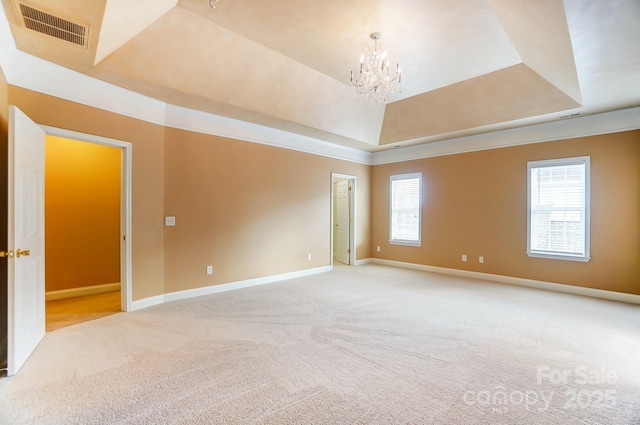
column 360, row 345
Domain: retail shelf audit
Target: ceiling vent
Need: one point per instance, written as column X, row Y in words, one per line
column 53, row 26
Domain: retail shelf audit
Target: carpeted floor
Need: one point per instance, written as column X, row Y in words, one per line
column 359, row 345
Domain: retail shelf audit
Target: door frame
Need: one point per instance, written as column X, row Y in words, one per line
column 352, row 223
column 125, row 204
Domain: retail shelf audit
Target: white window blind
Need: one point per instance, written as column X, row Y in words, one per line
column 405, row 211
column 558, row 219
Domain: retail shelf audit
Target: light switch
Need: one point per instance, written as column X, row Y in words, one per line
column 169, row 221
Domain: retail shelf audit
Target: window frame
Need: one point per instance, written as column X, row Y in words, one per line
column 406, row 176
column 586, row 160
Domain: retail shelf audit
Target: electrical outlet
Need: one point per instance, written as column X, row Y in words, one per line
column 481, row 259
column 209, row 269
column 464, row 258
column 169, row 221
column 309, row 256
column 378, row 248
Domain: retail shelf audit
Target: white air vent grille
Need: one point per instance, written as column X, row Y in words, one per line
column 53, row 26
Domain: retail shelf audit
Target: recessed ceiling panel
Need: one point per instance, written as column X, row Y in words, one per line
column 509, row 94
column 189, row 54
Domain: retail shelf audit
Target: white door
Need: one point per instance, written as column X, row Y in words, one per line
column 343, row 221
column 25, row 252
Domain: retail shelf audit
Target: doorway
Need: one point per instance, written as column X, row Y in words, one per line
column 104, row 292
column 343, row 215
column 82, row 216
column 24, row 254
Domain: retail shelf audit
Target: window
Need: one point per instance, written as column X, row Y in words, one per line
column 558, row 209
column 404, row 220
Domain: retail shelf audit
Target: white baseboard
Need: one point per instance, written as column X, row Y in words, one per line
column 548, row 286
column 146, row 302
column 223, row 287
column 363, row 262
column 82, row 291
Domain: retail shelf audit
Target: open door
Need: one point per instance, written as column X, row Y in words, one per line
column 25, row 251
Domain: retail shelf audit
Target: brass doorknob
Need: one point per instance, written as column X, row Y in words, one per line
column 20, row 252
column 7, row 254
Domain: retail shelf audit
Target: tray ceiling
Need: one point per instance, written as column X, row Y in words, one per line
column 469, row 66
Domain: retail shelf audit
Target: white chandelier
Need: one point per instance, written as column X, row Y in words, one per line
column 375, row 84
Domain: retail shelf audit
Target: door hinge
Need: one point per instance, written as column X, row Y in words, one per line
column 349, row 251
column 349, row 188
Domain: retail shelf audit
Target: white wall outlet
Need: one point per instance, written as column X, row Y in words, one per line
column 209, row 269
column 378, row 248
column 464, row 258
column 481, row 259
column 309, row 256
column 169, row 221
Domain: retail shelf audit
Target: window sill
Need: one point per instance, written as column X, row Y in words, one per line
column 582, row 259
column 405, row 243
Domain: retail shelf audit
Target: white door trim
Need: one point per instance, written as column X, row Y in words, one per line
column 354, row 215
column 125, row 213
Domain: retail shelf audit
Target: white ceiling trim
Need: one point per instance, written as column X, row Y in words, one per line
column 590, row 125
column 7, row 44
column 39, row 75
column 216, row 125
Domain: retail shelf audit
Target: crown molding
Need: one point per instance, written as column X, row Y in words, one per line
column 33, row 73
column 216, row 125
column 589, row 125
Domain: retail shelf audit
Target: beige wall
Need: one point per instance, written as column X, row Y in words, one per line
column 253, row 210
column 249, row 210
column 82, row 214
column 476, row 204
column 148, row 174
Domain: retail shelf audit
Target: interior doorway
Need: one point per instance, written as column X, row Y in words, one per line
column 82, row 216
column 104, row 292
column 343, row 215
column 25, row 232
